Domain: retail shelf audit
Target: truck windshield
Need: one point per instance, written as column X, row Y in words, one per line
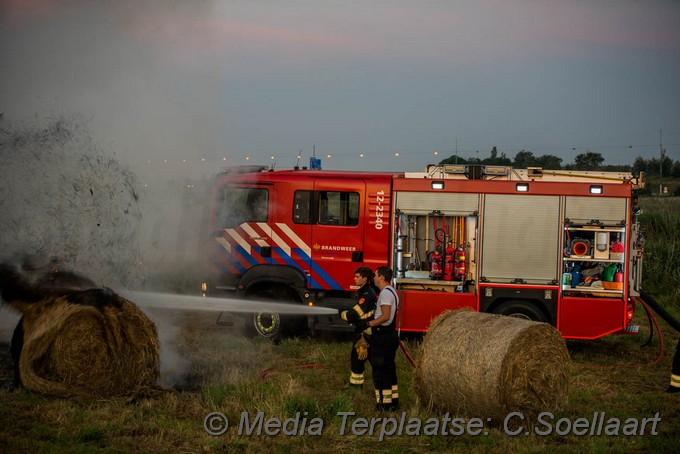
column 236, row 206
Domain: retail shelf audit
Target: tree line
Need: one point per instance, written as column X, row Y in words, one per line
column 584, row 161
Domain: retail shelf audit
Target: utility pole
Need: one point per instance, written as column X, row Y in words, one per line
column 660, row 163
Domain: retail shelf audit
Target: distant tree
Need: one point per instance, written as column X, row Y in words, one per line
column 653, row 167
column 667, row 166
column 453, row 159
column 640, row 165
column 504, row 160
column 524, row 159
column 549, row 162
column 496, row 160
column 675, row 170
column 588, row 161
column 617, row 168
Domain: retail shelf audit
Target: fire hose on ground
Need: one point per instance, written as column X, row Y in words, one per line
column 272, row 370
column 648, row 301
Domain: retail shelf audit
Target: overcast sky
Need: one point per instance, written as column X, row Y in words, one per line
column 194, row 80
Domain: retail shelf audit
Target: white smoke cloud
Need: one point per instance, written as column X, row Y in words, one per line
column 63, row 197
column 66, row 198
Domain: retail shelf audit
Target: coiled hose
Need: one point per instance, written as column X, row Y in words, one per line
column 648, row 301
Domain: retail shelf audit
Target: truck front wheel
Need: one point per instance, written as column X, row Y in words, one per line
column 521, row 309
column 266, row 324
column 272, row 325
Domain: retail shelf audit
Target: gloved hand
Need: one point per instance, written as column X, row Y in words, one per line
column 361, row 346
column 343, row 315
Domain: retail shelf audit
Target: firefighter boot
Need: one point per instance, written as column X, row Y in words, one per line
column 378, row 401
column 356, row 381
column 384, row 400
column 395, row 397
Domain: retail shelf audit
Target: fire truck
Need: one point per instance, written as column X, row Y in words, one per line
column 560, row 247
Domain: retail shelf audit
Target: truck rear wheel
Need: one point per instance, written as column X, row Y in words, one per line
column 521, row 309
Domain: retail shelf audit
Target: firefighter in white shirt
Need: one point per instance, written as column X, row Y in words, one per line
column 384, row 342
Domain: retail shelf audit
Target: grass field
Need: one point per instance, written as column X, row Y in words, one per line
column 222, row 371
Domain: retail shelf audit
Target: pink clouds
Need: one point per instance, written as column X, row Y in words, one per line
column 618, row 23
column 17, row 12
column 200, row 34
column 434, row 32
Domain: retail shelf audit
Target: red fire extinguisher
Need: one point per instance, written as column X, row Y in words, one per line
column 448, row 263
column 435, row 264
column 460, row 264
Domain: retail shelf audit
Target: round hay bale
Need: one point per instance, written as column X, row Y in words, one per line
column 78, row 350
column 486, row 365
column 76, row 339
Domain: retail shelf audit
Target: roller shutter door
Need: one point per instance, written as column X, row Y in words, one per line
column 451, row 204
column 521, row 238
column 607, row 210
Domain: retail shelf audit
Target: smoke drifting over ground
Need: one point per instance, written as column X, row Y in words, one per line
column 74, row 205
column 66, row 199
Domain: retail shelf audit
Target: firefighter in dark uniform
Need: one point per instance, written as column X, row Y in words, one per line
column 384, row 342
column 359, row 315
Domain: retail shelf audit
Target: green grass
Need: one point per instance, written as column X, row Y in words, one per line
column 660, row 220
column 616, row 375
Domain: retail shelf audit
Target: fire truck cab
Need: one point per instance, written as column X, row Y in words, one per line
column 552, row 246
column 296, row 236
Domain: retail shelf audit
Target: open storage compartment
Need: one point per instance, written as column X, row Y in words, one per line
column 593, row 261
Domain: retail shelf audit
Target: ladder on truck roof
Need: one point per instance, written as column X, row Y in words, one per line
column 489, row 172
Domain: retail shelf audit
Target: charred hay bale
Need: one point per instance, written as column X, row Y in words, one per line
column 80, row 350
column 76, row 339
column 486, row 365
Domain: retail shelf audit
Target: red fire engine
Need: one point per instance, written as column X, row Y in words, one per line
column 560, row 247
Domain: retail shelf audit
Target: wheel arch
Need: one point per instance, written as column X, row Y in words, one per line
column 503, row 302
column 265, row 276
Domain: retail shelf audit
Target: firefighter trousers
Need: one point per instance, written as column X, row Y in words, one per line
column 384, row 345
column 357, row 366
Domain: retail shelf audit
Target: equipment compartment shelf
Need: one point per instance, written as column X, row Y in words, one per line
column 597, row 229
column 589, row 250
column 429, row 284
column 590, row 259
column 568, row 288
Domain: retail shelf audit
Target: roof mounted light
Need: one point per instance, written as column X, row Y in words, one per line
column 454, row 168
column 596, row 189
column 438, row 185
column 522, row 187
column 495, row 170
